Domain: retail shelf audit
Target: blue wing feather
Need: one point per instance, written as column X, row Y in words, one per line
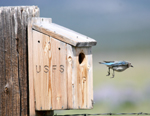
column 118, row 63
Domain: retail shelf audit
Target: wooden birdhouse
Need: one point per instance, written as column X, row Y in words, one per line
column 60, row 67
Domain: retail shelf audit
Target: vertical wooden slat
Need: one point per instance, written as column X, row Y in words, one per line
column 13, row 71
column 74, row 80
column 7, row 37
column 2, row 61
column 50, row 74
column 44, row 87
column 41, row 62
column 30, row 64
column 89, row 78
column 20, row 37
column 59, row 76
column 70, row 87
column 25, row 61
column 82, row 78
column 1, row 58
column 15, row 83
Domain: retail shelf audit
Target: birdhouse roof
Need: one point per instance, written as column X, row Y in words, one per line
column 45, row 25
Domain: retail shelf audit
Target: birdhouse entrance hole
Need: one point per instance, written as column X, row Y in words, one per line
column 81, row 57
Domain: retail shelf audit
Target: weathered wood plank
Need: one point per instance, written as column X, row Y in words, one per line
column 2, row 67
column 13, row 76
column 20, row 37
column 41, row 20
column 30, row 69
column 7, row 36
column 1, row 59
column 90, row 79
column 69, row 76
column 50, row 74
column 64, row 34
column 45, row 86
column 59, row 74
column 74, row 80
column 82, row 78
column 41, row 62
column 25, row 61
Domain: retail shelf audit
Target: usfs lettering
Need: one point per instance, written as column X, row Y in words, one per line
column 46, row 68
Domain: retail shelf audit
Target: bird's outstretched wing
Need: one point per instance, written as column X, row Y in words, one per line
column 120, row 63
column 105, row 62
column 114, row 63
column 108, row 61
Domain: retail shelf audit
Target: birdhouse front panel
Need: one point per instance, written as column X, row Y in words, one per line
column 60, row 67
column 80, row 77
column 50, row 76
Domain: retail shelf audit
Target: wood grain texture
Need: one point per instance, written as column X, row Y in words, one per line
column 59, row 74
column 82, row 78
column 63, row 34
column 50, row 79
column 13, row 59
column 30, row 51
column 30, row 69
column 41, row 63
column 70, row 87
column 62, row 73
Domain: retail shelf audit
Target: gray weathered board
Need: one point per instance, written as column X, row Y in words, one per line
column 13, row 59
column 60, row 66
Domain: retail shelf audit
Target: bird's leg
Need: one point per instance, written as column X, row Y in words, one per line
column 108, row 72
column 113, row 74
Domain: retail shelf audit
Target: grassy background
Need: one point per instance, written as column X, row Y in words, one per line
column 128, row 91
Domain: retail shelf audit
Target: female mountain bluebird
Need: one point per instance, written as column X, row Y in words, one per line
column 118, row 66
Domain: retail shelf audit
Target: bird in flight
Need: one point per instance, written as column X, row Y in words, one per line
column 118, row 66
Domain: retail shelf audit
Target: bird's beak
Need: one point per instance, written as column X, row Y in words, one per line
column 131, row 66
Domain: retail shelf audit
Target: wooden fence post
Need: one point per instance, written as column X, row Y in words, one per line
column 14, row 91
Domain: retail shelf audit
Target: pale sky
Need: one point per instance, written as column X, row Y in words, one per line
column 121, row 22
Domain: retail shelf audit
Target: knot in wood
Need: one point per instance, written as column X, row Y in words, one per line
column 69, row 59
column 6, row 89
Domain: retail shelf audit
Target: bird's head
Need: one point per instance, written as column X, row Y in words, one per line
column 130, row 65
